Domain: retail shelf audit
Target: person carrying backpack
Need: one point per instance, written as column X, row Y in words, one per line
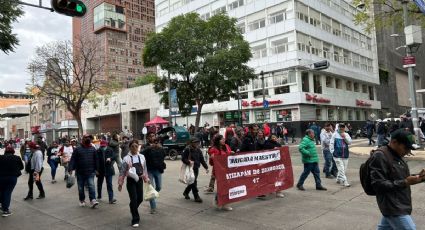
column 386, row 175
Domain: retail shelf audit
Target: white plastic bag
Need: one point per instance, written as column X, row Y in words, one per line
column 132, row 173
column 149, row 193
column 187, row 176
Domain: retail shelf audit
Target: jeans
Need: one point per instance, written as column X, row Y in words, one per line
column 313, row 168
column 89, row 180
column 53, row 167
column 396, row 223
column 100, row 179
column 193, row 187
column 7, row 183
column 380, row 140
column 37, row 183
column 156, row 179
column 329, row 167
column 341, row 164
column 370, row 139
column 135, row 193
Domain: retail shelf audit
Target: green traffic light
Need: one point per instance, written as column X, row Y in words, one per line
column 79, row 8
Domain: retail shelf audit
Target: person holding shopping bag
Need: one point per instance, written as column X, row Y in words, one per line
column 134, row 168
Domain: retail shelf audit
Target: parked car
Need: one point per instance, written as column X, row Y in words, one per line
column 174, row 139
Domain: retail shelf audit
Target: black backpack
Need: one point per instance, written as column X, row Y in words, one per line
column 365, row 171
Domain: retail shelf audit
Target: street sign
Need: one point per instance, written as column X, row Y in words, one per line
column 265, row 104
column 409, row 61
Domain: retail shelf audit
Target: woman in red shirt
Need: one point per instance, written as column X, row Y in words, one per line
column 219, row 147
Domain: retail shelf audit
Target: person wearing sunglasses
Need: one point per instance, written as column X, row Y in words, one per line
column 134, row 188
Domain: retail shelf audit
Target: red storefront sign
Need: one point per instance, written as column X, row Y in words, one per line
column 363, row 103
column 250, row 174
column 316, row 99
column 255, row 103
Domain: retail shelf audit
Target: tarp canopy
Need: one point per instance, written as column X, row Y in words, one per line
column 156, row 121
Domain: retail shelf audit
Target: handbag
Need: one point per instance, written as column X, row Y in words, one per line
column 187, row 176
column 132, row 173
column 149, row 193
column 70, row 181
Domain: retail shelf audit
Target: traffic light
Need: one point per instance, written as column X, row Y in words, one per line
column 73, row 8
column 321, row 65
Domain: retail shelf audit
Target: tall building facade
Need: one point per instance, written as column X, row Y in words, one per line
column 120, row 27
column 286, row 38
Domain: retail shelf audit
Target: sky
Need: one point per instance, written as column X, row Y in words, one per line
column 36, row 28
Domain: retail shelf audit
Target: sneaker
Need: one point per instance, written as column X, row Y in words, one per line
column 113, row 201
column 321, row 188
column 300, row 187
column 41, row 196
column 198, row 199
column 346, row 184
column 82, row 204
column 153, row 211
column 209, row 190
column 28, row 198
column 94, row 203
column 136, row 225
column 186, row 196
column 280, row 195
column 330, row 177
column 226, row 208
column 6, row 213
column 53, row 181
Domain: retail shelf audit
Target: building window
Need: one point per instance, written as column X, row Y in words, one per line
column 317, row 84
column 257, row 24
column 280, row 46
column 283, row 78
column 338, row 83
column 259, row 51
column 371, row 94
column 303, row 42
column 241, row 27
column 338, row 54
column 363, row 63
column 356, row 60
column 319, row 114
column 305, row 82
column 282, row 90
column 355, row 38
column 336, row 28
column 219, row 10
column 348, row 86
column 369, row 65
column 284, row 115
column 314, row 17
column 350, row 114
column 302, row 12
column 340, row 114
column 236, row 4
column 261, row 116
column 364, row 88
column 329, row 82
column 347, row 57
column 326, row 24
column 316, row 47
column 108, row 15
column 356, row 87
column 206, row 16
column 347, row 33
column 326, row 50
column 331, row 115
column 358, row 115
column 277, row 17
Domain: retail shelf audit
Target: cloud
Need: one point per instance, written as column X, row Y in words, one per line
column 37, row 27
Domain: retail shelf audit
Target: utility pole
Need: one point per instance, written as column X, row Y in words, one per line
column 170, row 122
column 239, row 107
column 264, row 95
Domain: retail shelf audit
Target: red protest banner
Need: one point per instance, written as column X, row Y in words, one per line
column 250, row 174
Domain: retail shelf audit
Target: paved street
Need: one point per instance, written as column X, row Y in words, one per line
column 337, row 208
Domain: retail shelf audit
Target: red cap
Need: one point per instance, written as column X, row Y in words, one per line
column 103, row 143
column 33, row 145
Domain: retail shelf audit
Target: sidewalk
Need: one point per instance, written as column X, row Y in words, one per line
column 365, row 151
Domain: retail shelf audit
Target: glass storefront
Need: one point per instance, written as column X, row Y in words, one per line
column 284, row 115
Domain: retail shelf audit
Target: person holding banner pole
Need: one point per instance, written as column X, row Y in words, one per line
column 310, row 160
column 219, row 148
column 192, row 155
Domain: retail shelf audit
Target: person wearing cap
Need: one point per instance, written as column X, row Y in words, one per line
column 192, row 156
column 391, row 179
column 338, row 146
column 84, row 162
column 10, row 169
column 106, row 170
column 36, row 169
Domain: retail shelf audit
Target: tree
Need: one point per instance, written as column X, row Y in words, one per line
column 9, row 13
column 207, row 60
column 70, row 75
column 145, row 80
column 388, row 13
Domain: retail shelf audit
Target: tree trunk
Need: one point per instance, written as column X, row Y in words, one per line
column 77, row 116
column 198, row 114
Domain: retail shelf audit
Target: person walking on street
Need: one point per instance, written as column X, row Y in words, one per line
column 124, row 147
column 339, row 148
column 134, row 188
column 329, row 168
column 381, row 132
column 36, row 169
column 10, row 169
column 155, row 162
column 84, row 162
column 106, row 171
column 316, row 130
column 391, row 180
column 53, row 159
column 370, row 129
column 192, row 156
column 65, row 152
column 114, row 144
column 310, row 160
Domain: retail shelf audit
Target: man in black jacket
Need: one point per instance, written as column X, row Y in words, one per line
column 192, row 156
column 105, row 158
column 84, row 161
column 391, row 180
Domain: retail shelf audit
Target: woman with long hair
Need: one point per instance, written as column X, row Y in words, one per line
column 219, row 148
column 134, row 188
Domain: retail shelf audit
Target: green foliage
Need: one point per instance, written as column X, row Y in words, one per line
column 145, row 80
column 10, row 11
column 388, row 14
column 209, row 58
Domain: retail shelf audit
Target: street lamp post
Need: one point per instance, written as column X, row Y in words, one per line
column 136, row 129
column 121, row 104
column 170, row 122
column 98, row 123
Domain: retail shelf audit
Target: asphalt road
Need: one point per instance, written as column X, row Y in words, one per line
column 337, row 208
